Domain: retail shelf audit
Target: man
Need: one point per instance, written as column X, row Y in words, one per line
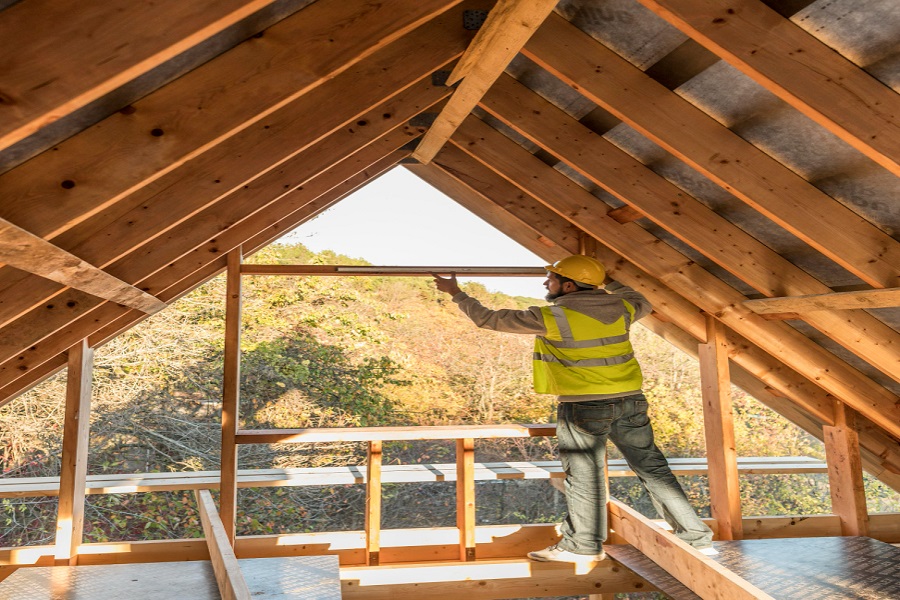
column 583, row 354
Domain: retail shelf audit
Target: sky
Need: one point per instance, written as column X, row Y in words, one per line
column 400, row 220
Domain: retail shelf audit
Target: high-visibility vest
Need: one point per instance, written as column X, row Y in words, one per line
column 580, row 355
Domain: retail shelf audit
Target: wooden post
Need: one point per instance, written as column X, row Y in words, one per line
column 73, row 471
column 848, row 496
column 231, row 387
column 465, row 497
column 718, row 421
column 373, row 504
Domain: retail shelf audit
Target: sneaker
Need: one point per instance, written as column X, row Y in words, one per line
column 556, row 554
column 707, row 550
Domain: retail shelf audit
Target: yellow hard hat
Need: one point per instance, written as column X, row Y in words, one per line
column 580, row 268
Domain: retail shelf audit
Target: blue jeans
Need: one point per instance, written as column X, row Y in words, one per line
column 582, row 430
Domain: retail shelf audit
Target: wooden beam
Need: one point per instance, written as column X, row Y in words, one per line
column 678, row 272
column 848, row 494
column 365, row 434
column 373, row 502
column 72, row 55
column 231, row 394
column 229, row 578
column 713, row 150
column 507, row 28
column 798, row 68
column 28, row 252
column 718, row 424
column 422, row 271
column 685, row 217
column 465, row 497
column 866, row 299
column 701, row 574
column 73, row 470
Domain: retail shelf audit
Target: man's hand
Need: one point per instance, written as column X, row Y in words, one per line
column 448, row 286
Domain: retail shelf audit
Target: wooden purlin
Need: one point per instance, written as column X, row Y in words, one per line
column 798, row 68
column 809, row 406
column 709, row 293
column 715, row 151
column 687, row 218
column 865, row 299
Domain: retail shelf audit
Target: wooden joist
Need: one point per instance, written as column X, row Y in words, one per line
column 27, row 252
column 798, row 68
column 884, row 298
column 229, row 578
column 508, row 26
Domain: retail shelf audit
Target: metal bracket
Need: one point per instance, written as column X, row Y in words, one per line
column 474, row 19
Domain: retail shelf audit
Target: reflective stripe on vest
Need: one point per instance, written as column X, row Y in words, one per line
column 581, row 355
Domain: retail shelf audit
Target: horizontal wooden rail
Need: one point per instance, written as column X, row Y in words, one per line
column 349, row 475
column 419, row 271
column 386, row 434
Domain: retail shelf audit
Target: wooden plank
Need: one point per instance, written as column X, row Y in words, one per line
column 718, row 425
column 221, row 554
column 420, row 271
column 798, row 68
column 73, row 468
column 678, row 272
column 74, row 54
column 700, row 573
column 712, row 149
column 373, row 503
column 687, row 218
column 365, row 434
column 848, row 494
column 507, row 28
column 465, row 497
column 231, row 394
column 866, row 299
column 26, row 251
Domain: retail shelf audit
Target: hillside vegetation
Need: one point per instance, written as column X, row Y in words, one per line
column 353, row 351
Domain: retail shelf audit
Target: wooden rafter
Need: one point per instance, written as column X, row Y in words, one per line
column 507, row 28
column 26, row 251
column 885, row 298
column 715, row 151
column 680, row 273
column 798, row 68
column 684, row 216
column 97, row 48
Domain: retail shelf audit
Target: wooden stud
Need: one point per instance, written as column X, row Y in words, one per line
column 373, row 503
column 73, row 470
column 736, row 165
column 885, row 298
column 231, row 395
column 465, row 497
column 718, row 423
column 848, row 493
column 28, row 252
column 507, row 28
column 798, row 68
column 229, row 578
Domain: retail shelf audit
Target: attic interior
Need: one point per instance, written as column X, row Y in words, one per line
column 736, row 161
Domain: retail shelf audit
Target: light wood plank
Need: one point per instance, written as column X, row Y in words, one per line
column 73, row 470
column 231, row 394
column 229, row 578
column 365, row 434
column 687, row 218
column 373, row 503
column 718, row 425
column 465, row 497
column 420, row 271
column 701, row 574
column 678, row 272
column 507, row 28
column 77, row 53
column 848, row 494
column 798, row 68
column 866, row 299
column 26, row 251
column 716, row 152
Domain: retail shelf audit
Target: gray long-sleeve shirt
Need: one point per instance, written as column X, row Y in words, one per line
column 605, row 306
